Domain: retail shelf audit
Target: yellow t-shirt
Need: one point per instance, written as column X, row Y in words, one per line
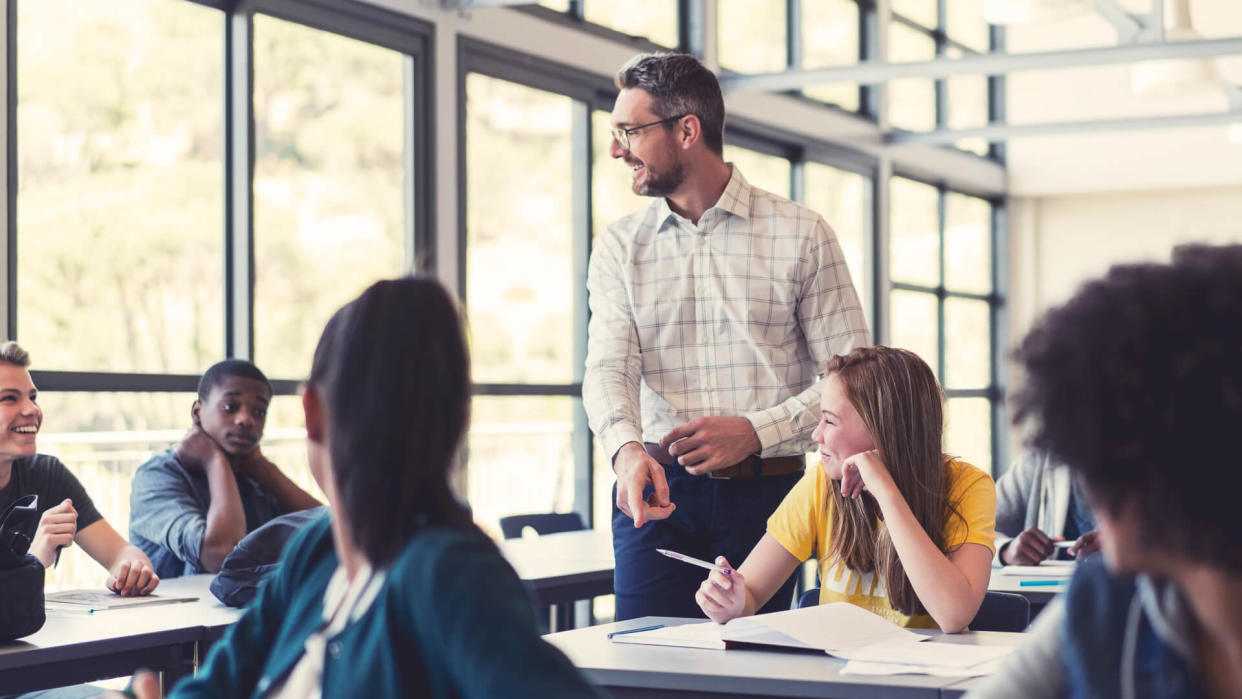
column 803, row 525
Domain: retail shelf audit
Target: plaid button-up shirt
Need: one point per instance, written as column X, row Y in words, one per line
column 735, row 316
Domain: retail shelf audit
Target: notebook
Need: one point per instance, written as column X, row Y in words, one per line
column 90, row 601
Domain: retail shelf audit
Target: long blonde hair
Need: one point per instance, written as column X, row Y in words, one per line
column 902, row 407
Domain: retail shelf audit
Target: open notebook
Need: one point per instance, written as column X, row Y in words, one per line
column 840, row 629
column 89, row 601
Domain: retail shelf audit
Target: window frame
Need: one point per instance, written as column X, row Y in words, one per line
column 350, row 18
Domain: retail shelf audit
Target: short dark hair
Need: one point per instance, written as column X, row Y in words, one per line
column 1136, row 384
column 678, row 84
column 394, row 375
column 218, row 372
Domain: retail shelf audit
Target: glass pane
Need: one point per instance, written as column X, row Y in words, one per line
column 765, row 171
column 968, row 106
column 751, row 35
column 911, row 101
column 520, row 457
column 329, row 168
column 654, row 19
column 968, row 243
column 612, row 191
column 519, row 219
column 830, row 38
column 967, row 353
column 558, row 5
column 844, row 200
column 966, row 25
column 913, row 324
column 968, row 431
column 120, row 187
column 922, row 11
column 914, row 248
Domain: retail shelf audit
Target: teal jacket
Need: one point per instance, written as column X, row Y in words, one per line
column 451, row 620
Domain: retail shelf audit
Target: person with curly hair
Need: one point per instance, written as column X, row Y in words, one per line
column 1136, row 385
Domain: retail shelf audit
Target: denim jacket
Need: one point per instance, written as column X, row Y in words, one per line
column 1108, row 637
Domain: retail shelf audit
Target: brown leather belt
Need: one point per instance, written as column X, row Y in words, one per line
column 750, row 467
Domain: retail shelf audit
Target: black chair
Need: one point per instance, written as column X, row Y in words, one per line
column 1000, row 611
column 810, row 598
column 561, row 616
column 545, row 523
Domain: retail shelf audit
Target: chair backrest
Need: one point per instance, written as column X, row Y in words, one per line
column 544, row 523
column 810, row 598
column 1002, row 611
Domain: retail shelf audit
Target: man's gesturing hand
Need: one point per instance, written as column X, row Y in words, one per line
column 635, row 469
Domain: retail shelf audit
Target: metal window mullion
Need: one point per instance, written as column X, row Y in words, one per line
column 10, row 127
column 581, row 152
column 942, row 370
column 793, row 35
column 239, row 181
column 1000, row 329
column 996, row 95
column 880, row 251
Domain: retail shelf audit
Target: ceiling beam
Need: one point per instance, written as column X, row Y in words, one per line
column 1004, row 132
column 876, row 72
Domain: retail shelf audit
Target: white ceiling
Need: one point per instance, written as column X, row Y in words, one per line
column 1124, row 160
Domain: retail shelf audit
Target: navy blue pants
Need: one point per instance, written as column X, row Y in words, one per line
column 713, row 518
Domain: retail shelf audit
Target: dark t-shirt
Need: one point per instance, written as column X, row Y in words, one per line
column 48, row 478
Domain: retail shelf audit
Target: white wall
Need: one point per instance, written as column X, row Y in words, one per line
column 1057, row 243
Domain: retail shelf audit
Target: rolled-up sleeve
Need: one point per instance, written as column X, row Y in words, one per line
column 613, row 363
column 163, row 510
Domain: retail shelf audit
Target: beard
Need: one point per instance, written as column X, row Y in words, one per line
column 661, row 183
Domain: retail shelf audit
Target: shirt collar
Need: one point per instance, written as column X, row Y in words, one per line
column 735, row 199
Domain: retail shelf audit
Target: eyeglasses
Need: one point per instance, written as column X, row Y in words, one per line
column 622, row 136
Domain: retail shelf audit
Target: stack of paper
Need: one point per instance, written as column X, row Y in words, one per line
column 1047, row 569
column 872, row 644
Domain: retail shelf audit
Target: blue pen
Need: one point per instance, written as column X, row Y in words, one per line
column 642, row 628
column 1040, row 583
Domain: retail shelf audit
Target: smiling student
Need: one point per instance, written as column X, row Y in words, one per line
column 191, row 504
column 898, row 527
column 67, row 515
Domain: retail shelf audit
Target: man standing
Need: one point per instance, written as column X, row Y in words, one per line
column 714, row 309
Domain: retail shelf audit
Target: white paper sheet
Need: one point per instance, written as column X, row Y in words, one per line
column 1049, row 569
column 705, row 635
column 956, row 655
column 862, row 667
column 826, row 627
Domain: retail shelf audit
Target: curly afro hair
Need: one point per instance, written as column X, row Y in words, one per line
column 1136, row 384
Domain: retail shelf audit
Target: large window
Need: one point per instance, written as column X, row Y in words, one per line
column 520, row 295
column 922, row 30
column 944, row 305
column 653, row 20
column 120, row 189
column 764, row 36
column 147, row 248
column 329, row 214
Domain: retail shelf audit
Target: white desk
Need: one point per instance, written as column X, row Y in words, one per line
column 630, row 670
column 563, row 568
column 75, row 648
column 1038, row 595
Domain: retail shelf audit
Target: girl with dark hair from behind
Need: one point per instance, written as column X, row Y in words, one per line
column 397, row 593
column 899, row 528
